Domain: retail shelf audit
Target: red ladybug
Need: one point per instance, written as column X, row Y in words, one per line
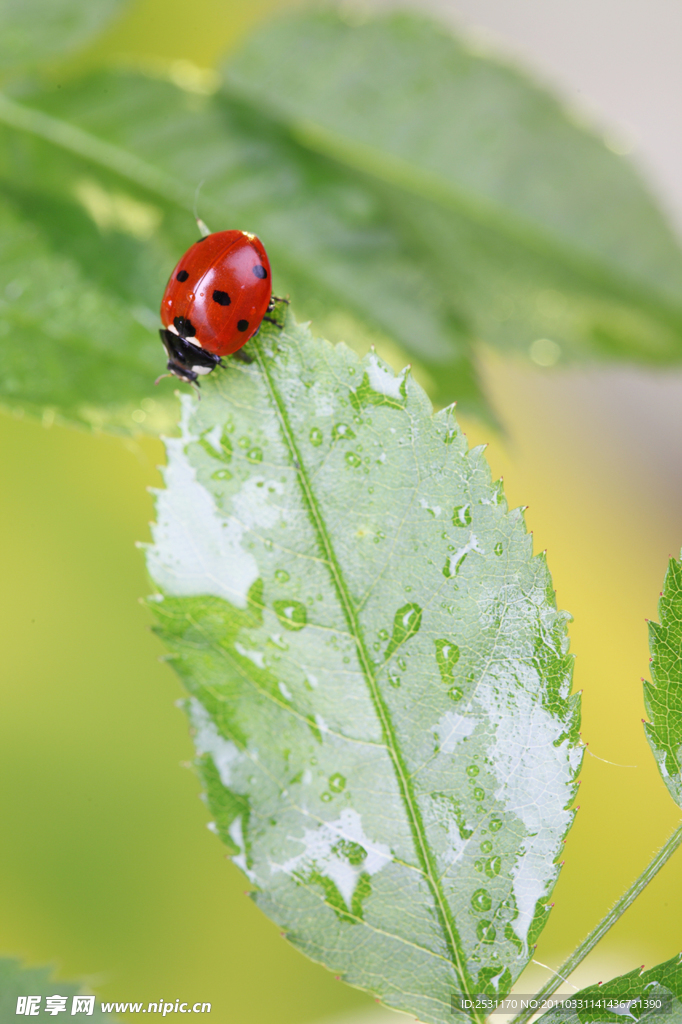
column 215, row 300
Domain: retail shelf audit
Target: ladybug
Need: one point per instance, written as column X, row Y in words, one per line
column 215, row 300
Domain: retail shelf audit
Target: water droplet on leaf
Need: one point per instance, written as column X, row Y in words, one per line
column 292, row 614
column 342, row 432
column 493, row 866
column 481, row 900
column 461, row 515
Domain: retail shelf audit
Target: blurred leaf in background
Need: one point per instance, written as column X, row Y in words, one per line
column 410, row 193
column 17, row 981
column 32, row 31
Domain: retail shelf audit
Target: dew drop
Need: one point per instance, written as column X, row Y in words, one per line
column 455, row 693
column 498, row 548
column 281, row 575
column 493, row 866
column 244, row 442
column 495, row 824
column 337, row 782
column 481, row 900
column 326, row 797
column 221, row 474
column 485, row 932
column 383, row 634
column 479, row 793
column 292, row 614
column 447, row 656
column 255, row 455
column 316, row 437
column 473, row 770
column 342, row 432
column 394, row 679
column 461, row 515
column 402, row 664
column 353, row 460
column 486, row 846
column 479, row 865
column 406, row 623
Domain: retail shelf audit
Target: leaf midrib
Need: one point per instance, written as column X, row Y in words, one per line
column 413, row 815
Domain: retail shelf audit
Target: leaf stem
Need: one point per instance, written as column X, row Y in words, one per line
column 607, row 922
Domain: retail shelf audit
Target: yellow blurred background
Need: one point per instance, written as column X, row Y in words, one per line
column 107, row 869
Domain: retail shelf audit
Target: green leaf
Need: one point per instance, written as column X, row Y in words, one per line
column 663, row 695
column 32, row 31
column 654, row 995
column 16, row 981
column 529, row 225
column 379, row 677
column 100, row 176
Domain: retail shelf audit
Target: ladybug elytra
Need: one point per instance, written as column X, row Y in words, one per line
column 215, row 300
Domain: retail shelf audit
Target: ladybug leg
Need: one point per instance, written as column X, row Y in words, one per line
column 274, row 299
column 270, row 320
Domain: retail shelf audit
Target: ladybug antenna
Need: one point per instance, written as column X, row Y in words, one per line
column 203, row 228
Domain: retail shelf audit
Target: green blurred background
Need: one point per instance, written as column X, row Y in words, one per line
column 106, row 867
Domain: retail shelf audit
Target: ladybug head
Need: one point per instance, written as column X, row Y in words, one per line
column 186, row 361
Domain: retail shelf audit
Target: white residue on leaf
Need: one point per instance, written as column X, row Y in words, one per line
column 197, row 550
column 208, row 740
column 311, row 679
column 451, row 729
column 321, row 724
column 435, row 510
column 382, row 380
column 534, row 773
column 459, row 555
column 237, row 836
column 257, row 657
column 439, row 811
column 326, row 851
column 284, row 690
column 213, row 437
column 322, row 400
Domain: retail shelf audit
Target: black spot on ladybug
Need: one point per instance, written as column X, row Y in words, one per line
column 260, row 271
column 181, row 275
column 184, row 327
column 243, row 325
column 222, row 298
